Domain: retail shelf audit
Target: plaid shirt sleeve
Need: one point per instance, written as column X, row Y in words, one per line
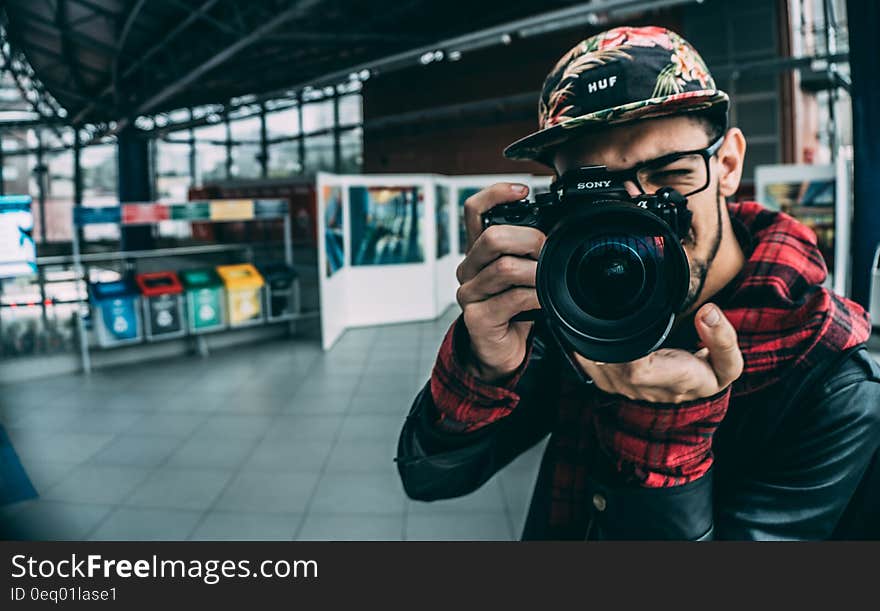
column 464, row 402
column 659, row 445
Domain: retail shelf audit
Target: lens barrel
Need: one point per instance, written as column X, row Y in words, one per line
column 610, row 278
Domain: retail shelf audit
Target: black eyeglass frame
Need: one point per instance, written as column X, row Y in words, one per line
column 631, row 174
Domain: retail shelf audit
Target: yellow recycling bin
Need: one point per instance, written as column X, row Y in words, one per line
column 244, row 294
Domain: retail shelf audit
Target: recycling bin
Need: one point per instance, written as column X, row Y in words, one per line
column 162, row 304
column 205, row 301
column 282, row 291
column 117, row 313
column 244, row 294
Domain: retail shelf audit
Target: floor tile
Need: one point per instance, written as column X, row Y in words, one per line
column 177, row 488
column 230, row 526
column 314, row 427
column 351, row 528
column 141, row 524
column 370, row 456
column 57, row 447
column 167, row 423
column 458, row 527
column 226, row 425
column 45, row 474
column 43, row 520
column 97, row 484
column 137, row 450
column 377, row 427
column 211, row 451
column 487, row 498
column 289, row 455
column 358, row 493
column 263, row 492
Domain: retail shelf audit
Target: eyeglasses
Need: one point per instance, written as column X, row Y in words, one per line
column 687, row 172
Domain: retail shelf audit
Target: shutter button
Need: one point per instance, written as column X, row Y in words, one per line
column 599, row 502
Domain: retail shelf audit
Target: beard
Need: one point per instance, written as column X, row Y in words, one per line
column 699, row 267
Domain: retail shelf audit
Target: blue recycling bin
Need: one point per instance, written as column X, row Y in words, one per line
column 116, row 309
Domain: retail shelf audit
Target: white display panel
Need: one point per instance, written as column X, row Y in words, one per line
column 389, row 248
column 331, row 269
column 447, row 245
column 460, row 188
column 400, row 246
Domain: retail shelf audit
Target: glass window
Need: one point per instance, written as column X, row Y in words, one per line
column 284, row 159
column 210, row 153
column 172, row 170
column 245, row 156
column 59, row 198
column 282, row 123
column 319, row 153
column 99, row 171
column 99, row 175
column 16, row 170
column 352, row 150
column 350, row 110
column 317, row 116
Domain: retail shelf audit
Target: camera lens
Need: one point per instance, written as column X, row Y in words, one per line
column 609, row 277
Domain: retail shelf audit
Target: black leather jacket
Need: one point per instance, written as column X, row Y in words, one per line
column 798, row 462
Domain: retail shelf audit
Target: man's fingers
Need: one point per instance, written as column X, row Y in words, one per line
column 503, row 273
column 500, row 240
column 478, row 203
column 719, row 337
column 498, row 310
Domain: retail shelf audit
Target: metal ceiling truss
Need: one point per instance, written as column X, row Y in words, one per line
column 597, row 11
column 30, row 88
column 249, row 27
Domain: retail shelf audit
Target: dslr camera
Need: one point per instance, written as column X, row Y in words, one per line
column 612, row 273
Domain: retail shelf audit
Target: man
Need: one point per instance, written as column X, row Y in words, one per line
column 760, row 416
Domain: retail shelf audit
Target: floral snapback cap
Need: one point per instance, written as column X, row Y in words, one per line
column 621, row 75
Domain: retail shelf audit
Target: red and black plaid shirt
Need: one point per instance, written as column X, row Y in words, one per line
column 786, row 323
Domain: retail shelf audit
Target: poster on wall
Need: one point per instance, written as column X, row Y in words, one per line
column 385, row 225
column 463, row 194
column 806, row 192
column 18, row 252
column 442, row 214
column 333, row 229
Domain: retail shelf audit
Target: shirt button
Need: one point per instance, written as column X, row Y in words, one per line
column 599, row 502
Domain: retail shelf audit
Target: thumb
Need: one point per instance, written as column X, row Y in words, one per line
column 719, row 337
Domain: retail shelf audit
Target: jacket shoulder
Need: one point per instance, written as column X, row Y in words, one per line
column 857, row 377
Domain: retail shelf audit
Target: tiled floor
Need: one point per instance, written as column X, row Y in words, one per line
column 276, row 441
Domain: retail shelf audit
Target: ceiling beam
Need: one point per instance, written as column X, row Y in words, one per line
column 343, row 37
column 162, row 44
column 67, row 51
column 204, row 16
column 298, row 9
column 120, row 45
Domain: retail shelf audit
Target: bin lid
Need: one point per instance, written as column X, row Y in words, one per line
column 241, row 276
column 203, row 278
column 153, row 284
column 112, row 290
column 276, row 270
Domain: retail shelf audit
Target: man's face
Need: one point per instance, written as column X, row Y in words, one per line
column 620, row 148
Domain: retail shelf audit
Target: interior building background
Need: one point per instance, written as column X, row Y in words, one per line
column 258, row 431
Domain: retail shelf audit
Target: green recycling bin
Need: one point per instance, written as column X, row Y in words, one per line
column 205, row 300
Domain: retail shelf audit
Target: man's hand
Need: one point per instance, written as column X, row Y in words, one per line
column 676, row 376
column 497, row 279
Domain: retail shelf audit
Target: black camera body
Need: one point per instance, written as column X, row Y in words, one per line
column 586, row 186
column 612, row 273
